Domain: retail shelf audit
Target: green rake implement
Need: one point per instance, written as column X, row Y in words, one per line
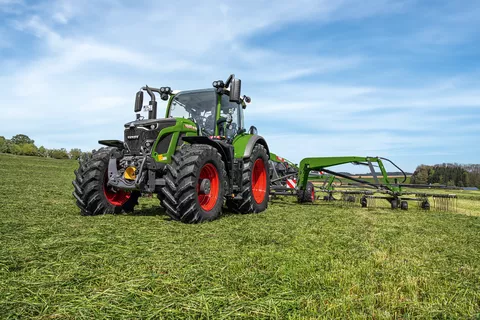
column 365, row 193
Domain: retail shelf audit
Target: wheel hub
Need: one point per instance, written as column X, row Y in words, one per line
column 208, row 187
column 205, row 186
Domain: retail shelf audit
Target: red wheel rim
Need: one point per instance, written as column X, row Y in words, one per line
column 208, row 200
column 313, row 194
column 115, row 197
column 259, row 181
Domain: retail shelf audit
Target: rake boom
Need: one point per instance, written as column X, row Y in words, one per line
column 321, row 163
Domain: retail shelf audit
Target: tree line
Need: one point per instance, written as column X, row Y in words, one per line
column 21, row 144
column 450, row 174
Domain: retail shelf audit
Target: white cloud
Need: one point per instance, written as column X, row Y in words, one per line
column 90, row 58
column 5, row 4
column 64, row 11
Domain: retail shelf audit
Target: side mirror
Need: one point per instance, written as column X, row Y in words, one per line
column 235, row 90
column 138, row 101
column 253, row 130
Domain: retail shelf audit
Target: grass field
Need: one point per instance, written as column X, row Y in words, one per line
column 292, row 261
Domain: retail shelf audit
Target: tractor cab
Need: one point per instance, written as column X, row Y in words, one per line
column 213, row 113
column 217, row 112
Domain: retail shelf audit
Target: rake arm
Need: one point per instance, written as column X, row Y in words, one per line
column 321, row 163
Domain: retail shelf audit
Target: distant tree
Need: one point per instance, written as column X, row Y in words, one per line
column 14, row 148
column 75, row 153
column 431, row 175
column 59, row 153
column 451, row 174
column 420, row 176
column 10, row 147
column 3, row 145
column 28, row 149
column 441, row 179
column 42, row 152
column 22, row 139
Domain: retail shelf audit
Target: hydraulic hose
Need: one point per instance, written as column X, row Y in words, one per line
column 403, row 172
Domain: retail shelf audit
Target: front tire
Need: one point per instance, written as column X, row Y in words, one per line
column 93, row 195
column 255, row 184
column 195, row 185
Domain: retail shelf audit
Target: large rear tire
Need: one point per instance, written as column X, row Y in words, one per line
column 93, row 195
column 255, row 184
column 195, row 184
column 307, row 195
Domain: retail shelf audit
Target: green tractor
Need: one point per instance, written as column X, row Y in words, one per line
column 194, row 159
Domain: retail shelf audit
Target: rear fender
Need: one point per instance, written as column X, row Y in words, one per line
column 245, row 143
column 224, row 150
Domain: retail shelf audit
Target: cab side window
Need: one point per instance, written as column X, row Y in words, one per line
column 230, row 112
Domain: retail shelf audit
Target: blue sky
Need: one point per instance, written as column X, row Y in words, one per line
column 398, row 79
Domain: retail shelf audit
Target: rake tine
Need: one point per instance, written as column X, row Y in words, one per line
column 447, row 202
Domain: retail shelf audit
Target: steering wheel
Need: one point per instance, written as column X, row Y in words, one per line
column 209, row 125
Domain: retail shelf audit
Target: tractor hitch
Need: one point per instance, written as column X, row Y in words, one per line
column 119, row 181
column 141, row 178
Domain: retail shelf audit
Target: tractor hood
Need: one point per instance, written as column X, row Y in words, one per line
column 147, row 123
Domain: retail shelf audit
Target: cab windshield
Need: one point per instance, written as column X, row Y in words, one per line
column 197, row 105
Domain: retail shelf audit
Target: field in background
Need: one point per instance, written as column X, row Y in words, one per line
column 295, row 261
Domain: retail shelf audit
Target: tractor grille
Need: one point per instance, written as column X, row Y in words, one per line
column 137, row 136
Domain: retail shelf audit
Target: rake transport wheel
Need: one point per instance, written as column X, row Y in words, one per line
column 363, row 202
column 195, row 184
column 255, row 184
column 350, row 199
column 307, row 195
column 394, row 203
column 425, row 205
column 91, row 191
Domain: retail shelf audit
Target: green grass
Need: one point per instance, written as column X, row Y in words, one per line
column 292, row 261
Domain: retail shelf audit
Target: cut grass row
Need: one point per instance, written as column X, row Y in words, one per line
column 293, row 261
